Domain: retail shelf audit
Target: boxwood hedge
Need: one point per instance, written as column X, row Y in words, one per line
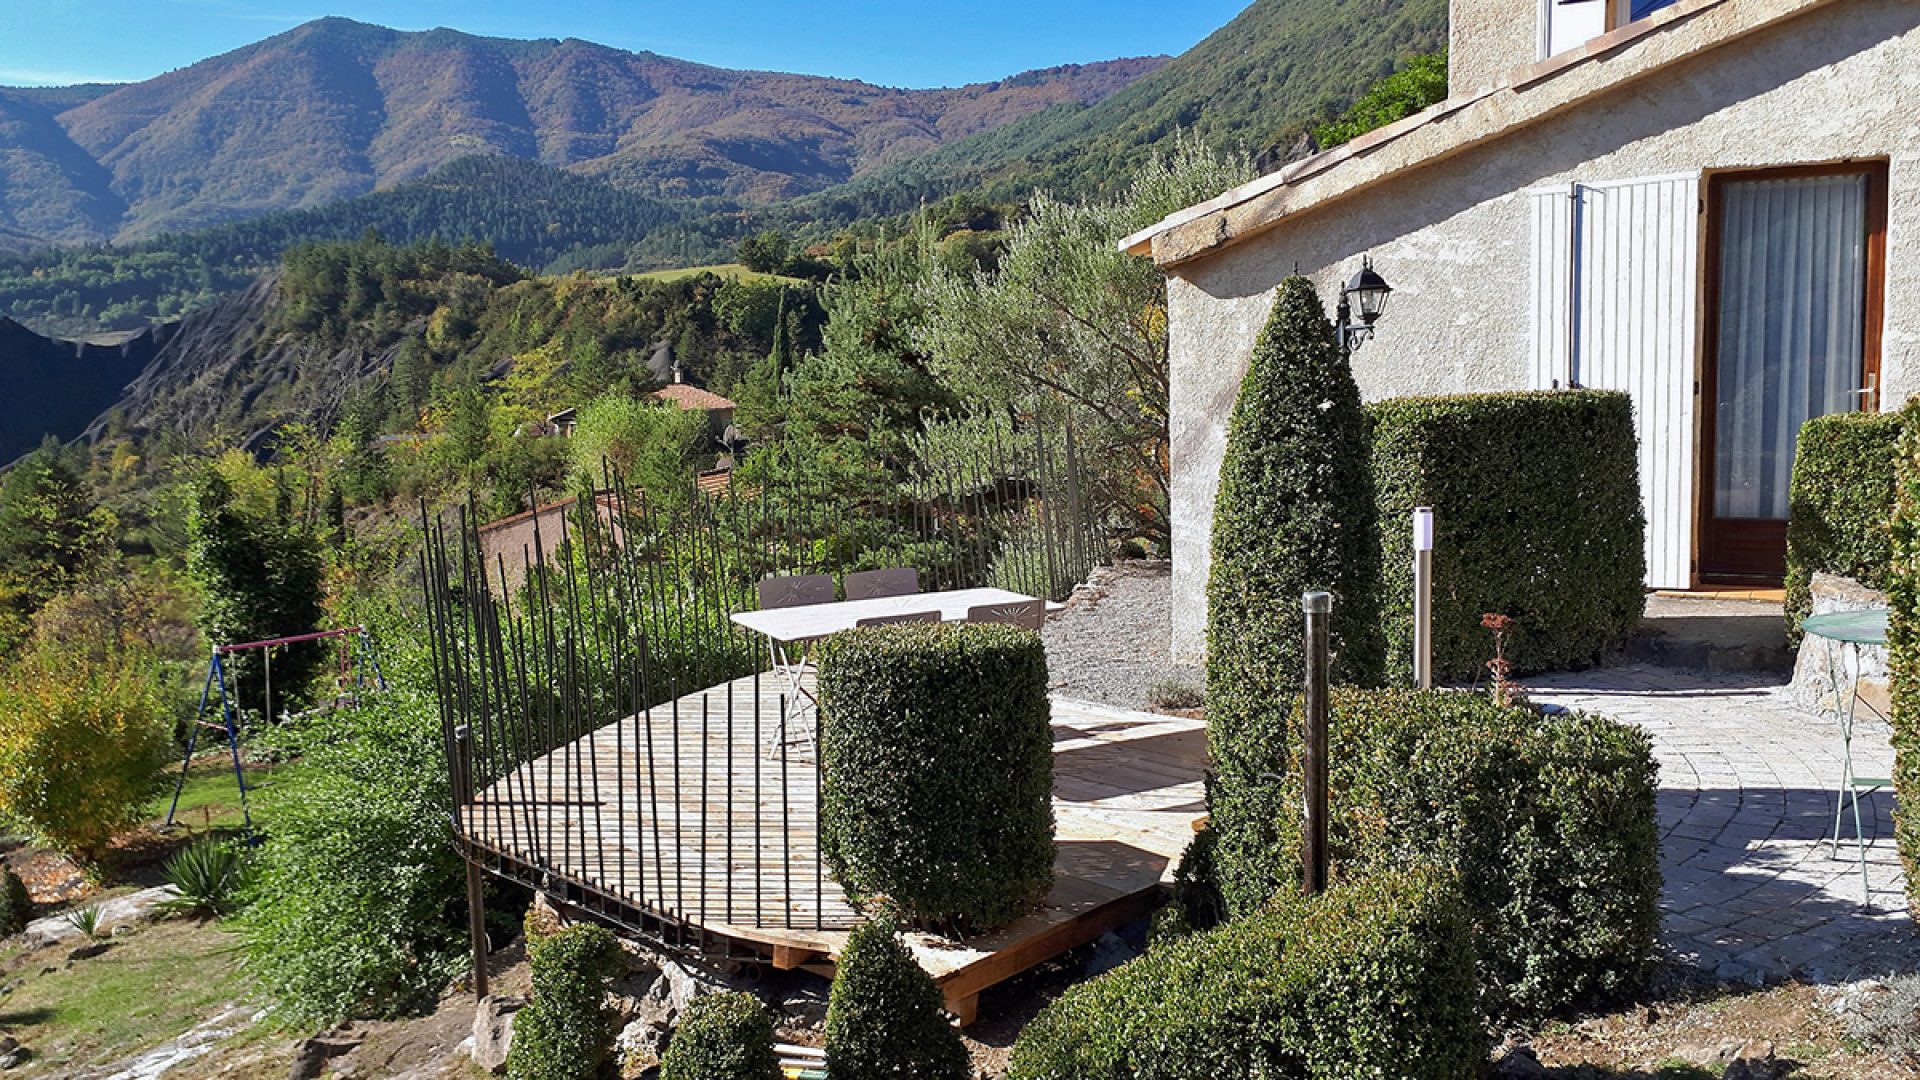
column 1373, row 978
column 726, row 1036
column 937, row 770
column 567, row 1030
column 1903, row 645
column 1840, row 500
column 1549, row 821
column 886, row 1018
column 1538, row 517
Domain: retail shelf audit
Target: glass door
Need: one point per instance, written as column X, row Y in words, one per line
column 1794, row 287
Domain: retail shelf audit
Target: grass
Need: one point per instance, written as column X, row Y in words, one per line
column 730, row 271
column 150, row 987
column 211, row 800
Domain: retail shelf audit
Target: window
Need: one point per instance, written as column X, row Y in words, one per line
column 1569, row 24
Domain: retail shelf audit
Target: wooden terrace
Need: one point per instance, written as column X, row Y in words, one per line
column 698, row 810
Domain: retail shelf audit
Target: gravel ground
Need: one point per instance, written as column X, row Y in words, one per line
column 1111, row 644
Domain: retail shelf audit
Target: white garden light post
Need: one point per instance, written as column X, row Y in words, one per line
column 1423, row 597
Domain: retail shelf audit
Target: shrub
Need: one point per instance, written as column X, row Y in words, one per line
column 1549, row 822
column 1295, row 513
column 1903, row 644
column 886, row 1018
column 1840, row 501
column 209, row 876
column 1537, row 511
column 566, row 1031
column 16, row 907
column 1372, row 978
column 722, row 1037
column 355, row 907
column 937, row 769
column 84, row 745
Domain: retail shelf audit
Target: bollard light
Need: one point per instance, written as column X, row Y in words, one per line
column 1423, row 597
column 1423, row 528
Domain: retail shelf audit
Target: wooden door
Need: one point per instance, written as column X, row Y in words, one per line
column 1795, row 291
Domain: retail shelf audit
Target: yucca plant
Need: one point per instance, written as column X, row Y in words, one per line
column 209, row 875
column 86, row 920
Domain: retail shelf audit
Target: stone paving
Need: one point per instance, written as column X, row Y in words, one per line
column 1754, row 891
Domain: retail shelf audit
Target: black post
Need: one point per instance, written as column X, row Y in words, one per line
column 476, row 907
column 1317, row 606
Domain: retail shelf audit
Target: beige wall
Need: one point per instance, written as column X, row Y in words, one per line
column 1488, row 38
column 1455, row 238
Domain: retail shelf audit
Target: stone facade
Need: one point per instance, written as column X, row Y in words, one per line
column 1820, row 82
column 1488, row 38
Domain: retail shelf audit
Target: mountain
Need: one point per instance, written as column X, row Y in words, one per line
column 55, row 387
column 335, row 109
column 1261, row 81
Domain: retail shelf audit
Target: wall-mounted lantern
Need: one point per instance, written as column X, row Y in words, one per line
column 1368, row 292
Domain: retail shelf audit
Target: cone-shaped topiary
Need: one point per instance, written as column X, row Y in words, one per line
column 16, row 907
column 566, row 1031
column 723, row 1037
column 885, row 1018
column 1295, row 513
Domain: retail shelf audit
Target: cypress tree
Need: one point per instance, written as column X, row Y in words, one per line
column 886, row 1018
column 1295, row 513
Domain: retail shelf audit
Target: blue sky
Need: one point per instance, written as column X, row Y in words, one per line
column 50, row 42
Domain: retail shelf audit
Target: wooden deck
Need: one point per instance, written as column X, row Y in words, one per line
column 717, row 827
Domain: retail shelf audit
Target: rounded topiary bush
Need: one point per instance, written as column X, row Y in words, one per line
column 16, row 907
column 937, row 770
column 1372, row 978
column 566, row 1031
column 722, row 1037
column 886, row 1018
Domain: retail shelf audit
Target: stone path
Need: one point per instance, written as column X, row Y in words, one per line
column 1753, row 891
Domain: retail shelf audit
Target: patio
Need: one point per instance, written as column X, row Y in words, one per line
column 1747, row 776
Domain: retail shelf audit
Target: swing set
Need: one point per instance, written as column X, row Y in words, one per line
column 355, row 645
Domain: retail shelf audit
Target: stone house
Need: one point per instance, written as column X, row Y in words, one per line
column 1704, row 203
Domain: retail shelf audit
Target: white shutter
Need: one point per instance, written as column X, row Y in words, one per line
column 1617, row 312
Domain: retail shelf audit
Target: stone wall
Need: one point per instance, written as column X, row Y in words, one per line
column 1486, row 39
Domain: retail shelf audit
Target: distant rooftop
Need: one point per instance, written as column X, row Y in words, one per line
column 689, row 396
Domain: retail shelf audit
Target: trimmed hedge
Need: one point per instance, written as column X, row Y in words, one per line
column 886, row 1018
column 1549, row 821
column 722, row 1037
column 1538, row 516
column 1373, row 978
column 16, row 907
column 1840, row 500
column 1903, row 646
column 937, row 770
column 1295, row 512
column 566, row 1031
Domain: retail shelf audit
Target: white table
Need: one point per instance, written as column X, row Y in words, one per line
column 787, row 627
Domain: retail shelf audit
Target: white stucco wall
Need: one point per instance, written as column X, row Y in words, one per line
column 1454, row 237
column 1488, row 38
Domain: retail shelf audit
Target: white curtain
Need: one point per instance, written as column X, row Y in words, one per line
column 1792, row 327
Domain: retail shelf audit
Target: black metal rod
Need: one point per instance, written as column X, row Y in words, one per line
column 1318, row 607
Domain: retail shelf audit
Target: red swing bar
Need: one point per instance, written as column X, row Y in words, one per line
column 293, row 640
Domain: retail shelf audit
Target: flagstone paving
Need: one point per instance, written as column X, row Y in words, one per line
column 1754, row 891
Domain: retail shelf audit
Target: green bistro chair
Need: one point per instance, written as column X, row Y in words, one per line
column 1850, row 630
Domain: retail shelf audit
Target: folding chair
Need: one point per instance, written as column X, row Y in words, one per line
column 893, row 581
column 904, row 617
column 1026, row 614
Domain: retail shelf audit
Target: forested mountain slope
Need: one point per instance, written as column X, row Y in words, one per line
column 335, row 109
column 1260, row 82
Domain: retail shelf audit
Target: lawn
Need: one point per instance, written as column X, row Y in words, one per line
column 151, row 986
column 730, row 271
column 211, row 800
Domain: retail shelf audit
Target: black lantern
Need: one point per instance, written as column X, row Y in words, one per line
column 1369, row 291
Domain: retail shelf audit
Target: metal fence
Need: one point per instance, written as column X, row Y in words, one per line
column 615, row 740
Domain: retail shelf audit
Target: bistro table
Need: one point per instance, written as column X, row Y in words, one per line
column 788, row 629
column 1850, row 630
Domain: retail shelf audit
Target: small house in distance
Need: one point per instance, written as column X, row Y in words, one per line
column 683, row 395
column 1708, row 204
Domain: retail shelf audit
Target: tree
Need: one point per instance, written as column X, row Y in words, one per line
column 1295, row 513
column 50, row 534
column 1419, row 82
column 765, row 252
column 261, row 576
column 885, row 1016
column 1067, row 322
column 654, row 446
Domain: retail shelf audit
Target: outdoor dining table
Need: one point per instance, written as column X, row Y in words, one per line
column 1851, row 630
column 789, row 629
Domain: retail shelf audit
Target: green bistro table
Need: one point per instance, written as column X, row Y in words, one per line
column 1850, row 630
